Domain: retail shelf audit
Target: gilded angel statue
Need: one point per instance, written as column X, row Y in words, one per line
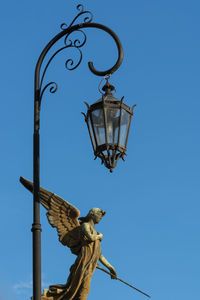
column 79, row 234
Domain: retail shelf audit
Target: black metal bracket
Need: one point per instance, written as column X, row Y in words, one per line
column 77, row 44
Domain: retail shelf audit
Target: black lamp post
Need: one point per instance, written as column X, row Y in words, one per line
column 108, row 120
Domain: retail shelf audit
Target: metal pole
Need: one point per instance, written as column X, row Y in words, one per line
column 36, row 227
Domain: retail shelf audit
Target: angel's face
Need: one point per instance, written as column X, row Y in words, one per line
column 97, row 214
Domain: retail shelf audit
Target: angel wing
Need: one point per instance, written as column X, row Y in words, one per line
column 61, row 215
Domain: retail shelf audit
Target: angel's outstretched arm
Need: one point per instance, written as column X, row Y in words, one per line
column 104, row 261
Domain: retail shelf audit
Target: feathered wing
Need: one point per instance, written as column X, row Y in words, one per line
column 61, row 215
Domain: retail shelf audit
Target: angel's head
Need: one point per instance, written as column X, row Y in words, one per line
column 95, row 214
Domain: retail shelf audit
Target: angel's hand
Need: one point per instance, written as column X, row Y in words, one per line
column 113, row 272
column 99, row 236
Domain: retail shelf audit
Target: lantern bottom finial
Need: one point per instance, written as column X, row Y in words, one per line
column 109, row 155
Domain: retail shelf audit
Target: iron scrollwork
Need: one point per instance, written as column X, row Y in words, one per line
column 77, row 43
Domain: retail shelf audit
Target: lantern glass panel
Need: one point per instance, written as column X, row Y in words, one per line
column 92, row 134
column 112, row 122
column 99, row 126
column 124, row 127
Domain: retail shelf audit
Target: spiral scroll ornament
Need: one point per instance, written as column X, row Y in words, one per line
column 88, row 17
column 69, row 42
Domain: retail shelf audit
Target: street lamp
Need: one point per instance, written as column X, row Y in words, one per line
column 108, row 120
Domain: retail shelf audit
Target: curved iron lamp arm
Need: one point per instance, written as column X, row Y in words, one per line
column 67, row 32
column 90, row 64
column 39, row 91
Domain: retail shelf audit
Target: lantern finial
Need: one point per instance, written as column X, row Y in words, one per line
column 108, row 88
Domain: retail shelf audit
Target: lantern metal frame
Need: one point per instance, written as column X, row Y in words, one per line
column 109, row 153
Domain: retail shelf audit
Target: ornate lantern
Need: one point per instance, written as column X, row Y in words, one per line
column 108, row 122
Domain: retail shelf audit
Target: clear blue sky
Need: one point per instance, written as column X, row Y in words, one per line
column 152, row 226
